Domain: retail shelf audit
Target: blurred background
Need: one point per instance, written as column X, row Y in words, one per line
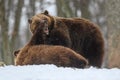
column 15, row 33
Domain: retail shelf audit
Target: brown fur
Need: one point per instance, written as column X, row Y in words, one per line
column 78, row 34
column 44, row 54
column 34, row 53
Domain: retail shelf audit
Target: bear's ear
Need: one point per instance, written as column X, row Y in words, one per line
column 29, row 21
column 16, row 52
column 46, row 12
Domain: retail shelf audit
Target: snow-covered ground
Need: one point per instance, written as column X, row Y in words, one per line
column 51, row 72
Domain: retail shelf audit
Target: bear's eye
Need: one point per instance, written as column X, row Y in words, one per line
column 37, row 22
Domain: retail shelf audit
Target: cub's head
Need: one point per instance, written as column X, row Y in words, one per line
column 42, row 20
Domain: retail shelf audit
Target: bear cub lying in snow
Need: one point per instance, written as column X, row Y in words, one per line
column 36, row 53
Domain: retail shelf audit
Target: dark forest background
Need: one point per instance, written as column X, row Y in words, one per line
column 14, row 29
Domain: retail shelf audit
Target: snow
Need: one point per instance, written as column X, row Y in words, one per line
column 51, row 72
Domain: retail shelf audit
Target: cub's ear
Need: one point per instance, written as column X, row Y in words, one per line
column 46, row 12
column 29, row 21
column 16, row 52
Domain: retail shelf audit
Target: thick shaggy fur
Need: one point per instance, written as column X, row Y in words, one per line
column 35, row 53
column 78, row 34
column 44, row 54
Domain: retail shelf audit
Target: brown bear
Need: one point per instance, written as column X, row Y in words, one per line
column 78, row 34
column 35, row 53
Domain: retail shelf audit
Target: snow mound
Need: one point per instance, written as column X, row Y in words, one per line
column 51, row 72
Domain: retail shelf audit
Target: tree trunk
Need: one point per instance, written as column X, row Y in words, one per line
column 0, row 45
column 64, row 10
column 84, row 6
column 113, row 24
column 4, row 31
column 15, row 33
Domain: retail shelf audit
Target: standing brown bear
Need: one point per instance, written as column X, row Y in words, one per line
column 36, row 53
column 78, row 34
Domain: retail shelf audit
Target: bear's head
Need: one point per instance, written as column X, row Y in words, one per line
column 42, row 20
